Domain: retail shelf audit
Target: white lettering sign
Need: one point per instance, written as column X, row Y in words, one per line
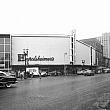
column 39, row 58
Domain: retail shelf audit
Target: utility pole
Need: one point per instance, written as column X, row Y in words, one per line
column 25, row 51
column 91, row 58
column 64, row 63
column 74, row 46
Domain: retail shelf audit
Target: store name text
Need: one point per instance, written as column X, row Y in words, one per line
column 39, row 58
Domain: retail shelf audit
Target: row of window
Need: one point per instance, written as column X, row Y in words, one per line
column 4, row 40
column 5, row 47
column 4, row 56
column 5, row 51
column 4, row 64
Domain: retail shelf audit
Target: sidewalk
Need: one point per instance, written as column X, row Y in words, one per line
column 103, row 102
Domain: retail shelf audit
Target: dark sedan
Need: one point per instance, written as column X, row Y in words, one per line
column 7, row 80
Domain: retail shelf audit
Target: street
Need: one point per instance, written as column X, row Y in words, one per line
column 55, row 93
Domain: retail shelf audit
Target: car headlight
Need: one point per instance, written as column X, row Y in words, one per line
column 1, row 79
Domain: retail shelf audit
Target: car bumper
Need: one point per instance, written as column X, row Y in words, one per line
column 11, row 82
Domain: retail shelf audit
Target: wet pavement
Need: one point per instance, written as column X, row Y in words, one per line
column 55, row 93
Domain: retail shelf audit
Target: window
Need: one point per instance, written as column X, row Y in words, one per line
column 2, row 63
column 7, row 56
column 1, row 40
column 20, row 57
column 7, row 40
column 1, row 48
column 7, row 48
column 7, row 64
column 1, row 56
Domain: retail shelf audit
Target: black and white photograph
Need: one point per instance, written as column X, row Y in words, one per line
column 54, row 55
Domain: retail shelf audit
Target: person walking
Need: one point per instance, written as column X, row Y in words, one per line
column 22, row 75
column 40, row 74
column 31, row 74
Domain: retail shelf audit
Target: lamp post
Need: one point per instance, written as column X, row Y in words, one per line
column 25, row 52
column 64, row 64
column 83, row 62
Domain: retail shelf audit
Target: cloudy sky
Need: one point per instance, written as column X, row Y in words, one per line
column 90, row 18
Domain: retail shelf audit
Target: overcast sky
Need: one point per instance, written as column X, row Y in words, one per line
column 90, row 18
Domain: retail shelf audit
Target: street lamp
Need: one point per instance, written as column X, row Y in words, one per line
column 83, row 62
column 64, row 64
column 97, row 61
column 25, row 52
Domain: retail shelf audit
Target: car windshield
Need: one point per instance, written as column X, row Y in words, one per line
column 3, row 74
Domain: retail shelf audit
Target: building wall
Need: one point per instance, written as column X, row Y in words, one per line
column 98, row 47
column 83, row 52
column 41, row 47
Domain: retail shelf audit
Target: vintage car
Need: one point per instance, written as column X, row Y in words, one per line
column 6, row 80
column 43, row 73
column 106, row 70
column 81, row 72
column 55, row 73
column 89, row 73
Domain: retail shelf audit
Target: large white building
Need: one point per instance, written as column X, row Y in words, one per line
column 44, row 51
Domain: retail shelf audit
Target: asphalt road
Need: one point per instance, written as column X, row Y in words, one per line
column 55, row 93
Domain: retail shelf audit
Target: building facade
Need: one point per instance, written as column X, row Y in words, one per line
column 85, row 54
column 5, row 52
column 44, row 51
column 105, row 41
column 98, row 50
column 49, row 52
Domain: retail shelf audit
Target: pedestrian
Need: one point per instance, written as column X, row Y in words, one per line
column 31, row 74
column 18, row 75
column 28, row 74
column 21, row 75
column 40, row 74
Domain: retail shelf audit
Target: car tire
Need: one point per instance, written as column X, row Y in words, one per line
column 7, row 85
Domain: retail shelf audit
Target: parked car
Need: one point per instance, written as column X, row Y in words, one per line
column 81, row 72
column 6, row 80
column 55, row 73
column 43, row 73
column 106, row 70
column 12, row 74
column 99, row 71
column 89, row 73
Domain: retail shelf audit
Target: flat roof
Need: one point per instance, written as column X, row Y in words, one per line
column 85, row 44
column 41, row 35
column 4, row 35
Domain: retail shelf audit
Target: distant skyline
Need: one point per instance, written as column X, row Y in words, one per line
column 90, row 18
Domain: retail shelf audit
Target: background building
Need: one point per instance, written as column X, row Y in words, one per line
column 98, row 49
column 85, row 54
column 5, row 52
column 105, row 41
